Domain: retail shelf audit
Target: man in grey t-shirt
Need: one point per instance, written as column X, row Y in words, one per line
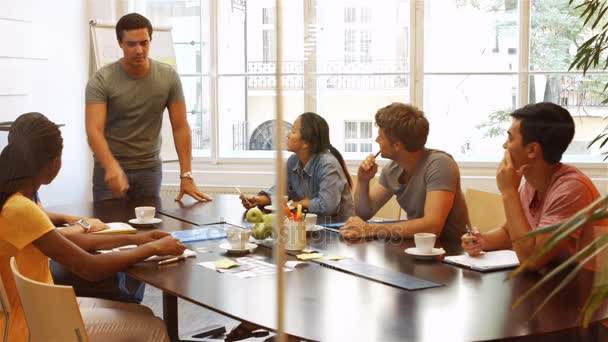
column 425, row 181
column 125, row 102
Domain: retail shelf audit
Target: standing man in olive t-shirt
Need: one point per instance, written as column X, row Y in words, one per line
column 125, row 102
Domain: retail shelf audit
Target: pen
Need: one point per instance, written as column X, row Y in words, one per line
column 470, row 232
column 377, row 154
column 240, row 193
column 172, row 260
column 299, row 213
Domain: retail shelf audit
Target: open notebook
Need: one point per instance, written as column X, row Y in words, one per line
column 117, row 228
column 488, row 261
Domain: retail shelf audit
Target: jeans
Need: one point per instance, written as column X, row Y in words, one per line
column 143, row 183
column 118, row 286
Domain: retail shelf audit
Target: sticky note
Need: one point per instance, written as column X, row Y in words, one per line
column 306, row 250
column 309, row 256
column 225, row 263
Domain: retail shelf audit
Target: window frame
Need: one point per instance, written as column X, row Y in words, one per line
column 415, row 75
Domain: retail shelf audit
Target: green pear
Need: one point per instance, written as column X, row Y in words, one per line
column 254, row 215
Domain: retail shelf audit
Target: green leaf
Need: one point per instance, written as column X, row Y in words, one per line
column 568, row 227
column 600, row 243
column 569, row 277
column 597, row 297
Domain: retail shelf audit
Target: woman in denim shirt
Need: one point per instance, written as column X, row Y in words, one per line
column 317, row 177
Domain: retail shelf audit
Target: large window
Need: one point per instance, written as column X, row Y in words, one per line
column 474, row 62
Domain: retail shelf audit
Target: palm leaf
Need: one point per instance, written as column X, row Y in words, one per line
column 556, row 238
column 602, row 242
column 597, row 297
column 567, row 227
column 570, row 277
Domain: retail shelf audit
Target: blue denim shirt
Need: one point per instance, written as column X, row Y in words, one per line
column 323, row 181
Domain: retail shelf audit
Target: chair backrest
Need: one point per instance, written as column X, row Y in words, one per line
column 51, row 311
column 486, row 210
column 390, row 210
column 5, row 306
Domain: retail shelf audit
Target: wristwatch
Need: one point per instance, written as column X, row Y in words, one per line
column 186, row 175
column 84, row 224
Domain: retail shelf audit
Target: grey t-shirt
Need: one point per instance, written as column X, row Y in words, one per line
column 436, row 170
column 135, row 109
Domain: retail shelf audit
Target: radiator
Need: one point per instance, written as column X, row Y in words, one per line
column 172, row 190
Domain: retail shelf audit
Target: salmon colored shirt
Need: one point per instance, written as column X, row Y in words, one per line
column 569, row 191
column 21, row 223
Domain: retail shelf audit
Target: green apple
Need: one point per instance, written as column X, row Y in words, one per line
column 269, row 220
column 258, row 231
column 267, row 231
column 254, row 215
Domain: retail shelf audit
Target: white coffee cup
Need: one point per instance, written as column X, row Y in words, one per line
column 311, row 220
column 425, row 242
column 145, row 214
column 238, row 238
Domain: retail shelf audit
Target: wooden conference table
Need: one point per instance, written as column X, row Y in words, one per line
column 327, row 304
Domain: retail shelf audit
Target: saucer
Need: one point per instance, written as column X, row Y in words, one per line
column 228, row 247
column 435, row 252
column 152, row 221
column 314, row 228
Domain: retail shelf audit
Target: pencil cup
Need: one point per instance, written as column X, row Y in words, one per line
column 296, row 236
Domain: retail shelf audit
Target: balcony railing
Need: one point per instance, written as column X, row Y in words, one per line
column 332, row 67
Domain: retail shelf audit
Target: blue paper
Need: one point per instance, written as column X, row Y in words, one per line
column 340, row 224
column 200, row 234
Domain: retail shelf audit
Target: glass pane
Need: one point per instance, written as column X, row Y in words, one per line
column 350, row 147
column 366, row 34
column 479, row 35
column 350, row 130
column 185, row 19
column 556, row 31
column 246, row 114
column 197, row 107
column 366, row 130
column 366, row 147
column 469, row 114
column 246, row 36
column 583, row 97
column 188, row 56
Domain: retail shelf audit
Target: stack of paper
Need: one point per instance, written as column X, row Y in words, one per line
column 488, row 261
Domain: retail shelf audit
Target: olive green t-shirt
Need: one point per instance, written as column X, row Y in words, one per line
column 135, row 109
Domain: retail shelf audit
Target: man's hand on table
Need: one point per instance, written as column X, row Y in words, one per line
column 356, row 228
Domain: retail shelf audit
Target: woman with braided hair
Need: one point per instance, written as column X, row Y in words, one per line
column 31, row 159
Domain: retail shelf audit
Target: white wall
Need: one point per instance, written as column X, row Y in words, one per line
column 44, row 68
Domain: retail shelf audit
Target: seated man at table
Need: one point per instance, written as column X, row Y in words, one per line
column 552, row 191
column 425, row 181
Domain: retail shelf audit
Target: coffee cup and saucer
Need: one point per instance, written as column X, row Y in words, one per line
column 238, row 241
column 144, row 216
column 424, row 249
column 311, row 223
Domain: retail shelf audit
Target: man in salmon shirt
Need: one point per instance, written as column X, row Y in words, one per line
column 552, row 191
